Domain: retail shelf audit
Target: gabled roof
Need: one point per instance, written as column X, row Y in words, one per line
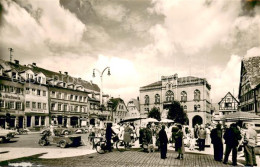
column 226, row 96
column 158, row 83
column 252, row 66
column 136, row 103
column 115, row 102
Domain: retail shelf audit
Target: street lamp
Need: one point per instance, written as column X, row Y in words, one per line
column 101, row 75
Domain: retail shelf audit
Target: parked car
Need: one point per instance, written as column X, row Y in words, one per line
column 6, row 135
column 58, row 131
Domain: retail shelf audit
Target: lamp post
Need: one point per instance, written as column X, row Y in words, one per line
column 101, row 75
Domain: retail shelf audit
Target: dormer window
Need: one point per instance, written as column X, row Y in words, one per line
column 14, row 75
column 40, row 79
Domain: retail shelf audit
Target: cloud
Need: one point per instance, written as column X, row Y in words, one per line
column 225, row 80
column 253, row 52
column 113, row 12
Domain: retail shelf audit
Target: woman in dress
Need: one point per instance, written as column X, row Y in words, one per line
column 179, row 142
column 127, row 135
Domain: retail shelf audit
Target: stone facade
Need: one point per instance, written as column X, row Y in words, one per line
column 192, row 92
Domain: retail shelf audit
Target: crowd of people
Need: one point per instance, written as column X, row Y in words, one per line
column 161, row 135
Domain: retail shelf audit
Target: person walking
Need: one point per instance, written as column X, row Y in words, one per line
column 202, row 136
column 179, row 142
column 232, row 137
column 163, row 142
column 216, row 139
column 109, row 132
column 250, row 142
column 127, row 135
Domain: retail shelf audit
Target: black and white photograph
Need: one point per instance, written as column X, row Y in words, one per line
column 136, row 83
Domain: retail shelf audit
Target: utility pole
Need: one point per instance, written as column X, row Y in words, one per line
column 11, row 50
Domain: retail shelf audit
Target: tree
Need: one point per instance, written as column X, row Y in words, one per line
column 155, row 113
column 177, row 113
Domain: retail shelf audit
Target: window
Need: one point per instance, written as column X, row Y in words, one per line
column 52, row 106
column 53, row 94
column 65, row 107
column 13, row 75
column 18, row 90
column 39, row 79
column 59, row 107
column 197, row 95
column 12, row 105
column 27, row 90
column 33, row 105
column 44, row 93
column 59, row 95
column 11, row 89
column 39, row 105
column 76, row 98
column 2, row 103
column 71, row 97
column 185, row 108
column 146, row 99
column 80, row 98
column 195, row 108
column 38, row 92
column 76, row 108
column 33, row 91
column 228, row 105
column 85, row 99
column 27, row 104
column 198, row 107
column 44, row 106
column 157, row 98
column 169, row 96
column 18, row 105
column 183, row 96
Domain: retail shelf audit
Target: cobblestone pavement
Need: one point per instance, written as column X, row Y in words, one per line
column 127, row 158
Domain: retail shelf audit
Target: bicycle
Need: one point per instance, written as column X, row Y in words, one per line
column 101, row 146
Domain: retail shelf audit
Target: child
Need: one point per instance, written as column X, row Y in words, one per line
column 192, row 143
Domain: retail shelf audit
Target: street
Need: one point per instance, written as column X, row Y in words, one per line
column 24, row 149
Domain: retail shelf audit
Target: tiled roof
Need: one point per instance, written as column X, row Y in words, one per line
column 158, row 83
column 51, row 74
column 252, row 66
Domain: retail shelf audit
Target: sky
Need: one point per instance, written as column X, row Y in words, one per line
column 140, row 40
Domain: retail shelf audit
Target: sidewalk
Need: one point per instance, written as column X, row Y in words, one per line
column 8, row 153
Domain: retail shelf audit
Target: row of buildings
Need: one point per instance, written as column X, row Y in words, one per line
column 31, row 96
column 35, row 96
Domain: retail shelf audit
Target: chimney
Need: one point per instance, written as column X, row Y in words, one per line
column 138, row 98
column 16, row 62
column 66, row 73
column 34, row 64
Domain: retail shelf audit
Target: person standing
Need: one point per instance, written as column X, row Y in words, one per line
column 109, row 132
column 216, row 139
column 179, row 142
column 232, row 137
column 250, row 142
column 127, row 135
column 163, row 142
column 202, row 134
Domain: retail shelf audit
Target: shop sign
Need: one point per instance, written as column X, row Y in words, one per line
column 6, row 96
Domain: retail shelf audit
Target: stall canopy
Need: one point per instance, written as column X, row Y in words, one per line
column 240, row 116
column 150, row 120
column 167, row 121
column 131, row 119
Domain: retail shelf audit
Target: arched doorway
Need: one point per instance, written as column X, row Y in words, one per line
column 196, row 120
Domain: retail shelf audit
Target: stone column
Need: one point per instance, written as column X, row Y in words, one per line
column 25, row 121
column 47, row 121
column 16, row 121
column 32, row 121
column 68, row 122
column 40, row 120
